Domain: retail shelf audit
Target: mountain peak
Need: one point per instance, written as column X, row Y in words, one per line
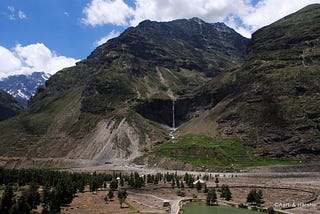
column 198, row 20
column 162, row 43
column 22, row 86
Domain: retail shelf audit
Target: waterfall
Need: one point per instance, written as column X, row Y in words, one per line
column 173, row 128
column 173, row 117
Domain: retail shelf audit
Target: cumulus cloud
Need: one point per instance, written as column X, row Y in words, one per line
column 31, row 58
column 268, row 11
column 9, row 63
column 239, row 14
column 104, row 39
column 100, row 12
column 166, row 10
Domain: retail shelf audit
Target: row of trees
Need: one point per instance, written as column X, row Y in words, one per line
column 254, row 197
column 50, row 188
column 57, row 188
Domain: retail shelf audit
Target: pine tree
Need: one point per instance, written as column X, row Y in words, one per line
column 55, row 201
column 182, row 185
column 45, row 197
column 7, row 200
column 211, row 197
column 251, row 196
column 255, row 197
column 33, row 196
column 225, row 192
column 205, row 188
column 110, row 195
column 114, row 185
column 199, row 186
column 122, row 196
column 21, row 206
column 122, row 182
column 217, row 181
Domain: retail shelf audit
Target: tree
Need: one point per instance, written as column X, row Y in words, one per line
column 121, row 182
column 198, row 185
column 255, row 197
column 45, row 199
column 205, row 188
column 114, row 185
column 181, row 193
column 21, row 206
column 7, row 200
column 211, row 197
column 182, row 185
column 122, row 196
column 110, row 195
column 81, row 185
column 93, row 185
column 173, row 183
column 33, row 196
column 217, row 181
column 259, row 198
column 55, row 201
column 225, row 192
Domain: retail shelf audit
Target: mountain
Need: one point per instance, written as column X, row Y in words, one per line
column 9, row 107
column 114, row 105
column 22, row 87
column 236, row 102
column 274, row 100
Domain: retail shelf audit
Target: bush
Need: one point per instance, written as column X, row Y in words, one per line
column 254, row 208
column 243, row 206
column 180, row 193
column 270, row 210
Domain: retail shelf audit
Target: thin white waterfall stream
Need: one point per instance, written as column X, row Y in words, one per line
column 173, row 117
column 173, row 128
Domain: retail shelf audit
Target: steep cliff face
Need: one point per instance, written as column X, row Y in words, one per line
column 100, row 109
column 274, row 106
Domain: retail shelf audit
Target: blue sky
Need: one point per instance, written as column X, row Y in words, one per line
column 47, row 35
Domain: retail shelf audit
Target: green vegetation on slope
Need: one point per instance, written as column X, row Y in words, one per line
column 9, row 107
column 219, row 154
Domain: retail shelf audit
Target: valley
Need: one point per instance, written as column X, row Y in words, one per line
column 174, row 102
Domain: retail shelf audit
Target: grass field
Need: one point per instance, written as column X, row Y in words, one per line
column 220, row 154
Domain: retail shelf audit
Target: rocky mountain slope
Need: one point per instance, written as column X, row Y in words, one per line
column 242, row 99
column 9, row 107
column 22, row 87
column 100, row 109
column 274, row 104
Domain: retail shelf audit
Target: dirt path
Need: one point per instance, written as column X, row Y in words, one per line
column 174, row 203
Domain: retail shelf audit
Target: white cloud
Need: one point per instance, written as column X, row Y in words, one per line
column 166, row 10
column 8, row 62
column 239, row 14
column 22, row 15
column 31, row 58
column 100, row 12
column 269, row 11
column 104, row 39
column 12, row 13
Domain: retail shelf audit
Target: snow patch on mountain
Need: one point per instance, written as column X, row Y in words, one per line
column 23, row 87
